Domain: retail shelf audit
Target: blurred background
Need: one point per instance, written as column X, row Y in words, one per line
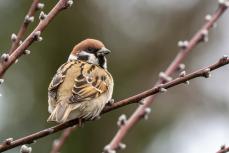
column 143, row 38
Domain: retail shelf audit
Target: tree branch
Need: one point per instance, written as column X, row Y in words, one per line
column 205, row 72
column 223, row 149
column 8, row 60
column 58, row 143
column 186, row 47
column 35, row 6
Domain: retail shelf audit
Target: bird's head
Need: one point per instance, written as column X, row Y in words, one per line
column 91, row 51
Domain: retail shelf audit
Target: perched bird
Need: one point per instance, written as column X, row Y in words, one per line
column 82, row 86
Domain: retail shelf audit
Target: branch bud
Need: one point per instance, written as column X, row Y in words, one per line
column 224, row 58
column 204, row 35
column 183, row 44
column 1, row 81
column 224, row 3
column 206, row 73
column 182, row 74
column 42, row 16
column 107, row 149
column 50, row 130
column 16, row 61
column 56, row 142
column 146, row 113
column 165, row 77
column 121, row 146
column 70, row 3
column 122, row 120
column 37, row 36
column 222, row 147
column 208, row 17
column 161, row 89
column 13, row 37
column 8, row 141
column 27, row 52
column 181, row 67
column 25, row 149
column 141, row 102
column 40, row 6
column 29, row 19
column 187, row 82
column 5, row 57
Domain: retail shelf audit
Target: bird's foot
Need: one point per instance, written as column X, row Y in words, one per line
column 110, row 102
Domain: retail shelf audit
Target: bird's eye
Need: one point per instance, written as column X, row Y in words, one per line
column 91, row 50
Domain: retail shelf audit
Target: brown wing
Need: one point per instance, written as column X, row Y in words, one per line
column 89, row 83
column 58, row 79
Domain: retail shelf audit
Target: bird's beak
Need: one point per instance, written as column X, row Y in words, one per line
column 103, row 51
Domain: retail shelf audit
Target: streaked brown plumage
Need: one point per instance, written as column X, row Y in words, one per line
column 82, row 86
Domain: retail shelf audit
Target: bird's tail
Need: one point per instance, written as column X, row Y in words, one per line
column 61, row 112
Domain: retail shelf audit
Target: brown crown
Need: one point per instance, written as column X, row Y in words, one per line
column 87, row 43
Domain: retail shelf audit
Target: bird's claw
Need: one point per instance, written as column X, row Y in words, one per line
column 110, row 102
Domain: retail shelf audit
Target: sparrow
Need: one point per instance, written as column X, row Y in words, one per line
column 82, row 86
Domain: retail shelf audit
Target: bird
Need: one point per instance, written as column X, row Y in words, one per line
column 82, row 86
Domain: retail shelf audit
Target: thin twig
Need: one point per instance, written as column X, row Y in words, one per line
column 35, row 35
column 223, row 149
column 15, row 43
column 58, row 143
column 134, row 99
column 185, row 49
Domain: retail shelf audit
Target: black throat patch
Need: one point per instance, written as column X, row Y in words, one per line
column 102, row 61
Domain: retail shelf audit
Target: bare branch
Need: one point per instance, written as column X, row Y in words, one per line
column 58, row 143
column 223, row 149
column 17, row 38
column 4, row 65
column 134, row 99
column 185, row 48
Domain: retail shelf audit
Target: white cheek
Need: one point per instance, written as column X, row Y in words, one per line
column 72, row 57
column 105, row 63
column 93, row 59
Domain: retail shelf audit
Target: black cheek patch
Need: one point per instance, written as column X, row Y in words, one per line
column 83, row 57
